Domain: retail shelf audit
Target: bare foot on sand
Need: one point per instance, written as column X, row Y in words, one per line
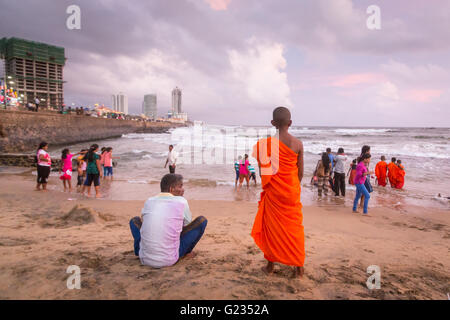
column 356, row 211
column 98, row 195
column 298, row 272
column 366, row 215
column 268, row 269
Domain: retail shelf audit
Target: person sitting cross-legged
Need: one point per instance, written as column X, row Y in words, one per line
column 166, row 231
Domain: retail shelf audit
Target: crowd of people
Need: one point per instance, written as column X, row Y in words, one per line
column 90, row 168
column 330, row 174
column 244, row 171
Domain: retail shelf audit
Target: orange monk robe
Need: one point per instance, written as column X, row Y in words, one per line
column 400, row 177
column 392, row 167
column 278, row 229
column 380, row 172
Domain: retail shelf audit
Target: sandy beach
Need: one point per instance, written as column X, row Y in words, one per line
column 43, row 233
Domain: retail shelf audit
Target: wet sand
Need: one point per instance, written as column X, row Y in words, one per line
column 39, row 239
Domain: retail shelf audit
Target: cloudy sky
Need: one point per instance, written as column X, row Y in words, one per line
column 236, row 60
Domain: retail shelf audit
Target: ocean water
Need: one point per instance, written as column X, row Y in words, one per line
column 206, row 154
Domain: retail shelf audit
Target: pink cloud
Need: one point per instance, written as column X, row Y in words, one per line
column 423, row 95
column 352, row 80
column 218, row 5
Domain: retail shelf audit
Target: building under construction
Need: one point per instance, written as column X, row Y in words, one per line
column 35, row 70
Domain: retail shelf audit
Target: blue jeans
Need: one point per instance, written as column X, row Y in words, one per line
column 189, row 237
column 360, row 191
column 107, row 171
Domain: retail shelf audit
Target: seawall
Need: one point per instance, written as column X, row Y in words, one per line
column 22, row 131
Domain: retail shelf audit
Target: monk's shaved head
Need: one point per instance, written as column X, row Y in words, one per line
column 281, row 116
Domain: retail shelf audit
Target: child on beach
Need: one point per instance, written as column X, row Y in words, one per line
column 236, row 169
column 278, row 228
column 66, row 168
column 108, row 163
column 361, row 175
column 93, row 171
column 102, row 158
column 351, row 173
column 252, row 173
column 323, row 170
column 243, row 172
column 81, row 170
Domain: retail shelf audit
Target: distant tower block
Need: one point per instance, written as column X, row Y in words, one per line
column 176, row 101
column 149, row 106
column 119, row 102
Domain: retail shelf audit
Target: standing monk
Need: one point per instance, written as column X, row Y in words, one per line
column 278, row 229
column 400, row 177
column 392, row 169
column 380, row 172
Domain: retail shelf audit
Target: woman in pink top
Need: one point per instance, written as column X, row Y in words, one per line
column 44, row 163
column 65, row 172
column 243, row 172
column 361, row 174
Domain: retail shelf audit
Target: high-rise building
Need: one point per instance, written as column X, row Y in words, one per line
column 120, row 102
column 35, row 70
column 149, row 106
column 176, row 101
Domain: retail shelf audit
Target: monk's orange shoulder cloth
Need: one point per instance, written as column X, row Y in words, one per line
column 278, row 227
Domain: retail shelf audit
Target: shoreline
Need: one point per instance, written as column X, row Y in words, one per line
column 37, row 245
column 138, row 188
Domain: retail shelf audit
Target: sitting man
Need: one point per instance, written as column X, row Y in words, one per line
column 166, row 232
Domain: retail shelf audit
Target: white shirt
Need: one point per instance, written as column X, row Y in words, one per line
column 339, row 166
column 163, row 218
column 37, row 101
column 172, row 157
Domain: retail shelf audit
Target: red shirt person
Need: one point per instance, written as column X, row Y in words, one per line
column 381, row 172
column 400, row 175
column 392, row 172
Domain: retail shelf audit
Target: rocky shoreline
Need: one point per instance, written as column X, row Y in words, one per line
column 24, row 160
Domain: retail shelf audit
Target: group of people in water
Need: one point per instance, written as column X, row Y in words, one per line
column 358, row 175
column 244, row 171
column 90, row 168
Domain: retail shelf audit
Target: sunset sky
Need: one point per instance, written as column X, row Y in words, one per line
column 236, row 60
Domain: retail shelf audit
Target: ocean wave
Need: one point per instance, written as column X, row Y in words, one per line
column 431, row 137
column 362, row 131
column 225, row 183
column 138, row 181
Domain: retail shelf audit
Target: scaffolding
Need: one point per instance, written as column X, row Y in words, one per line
column 35, row 70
